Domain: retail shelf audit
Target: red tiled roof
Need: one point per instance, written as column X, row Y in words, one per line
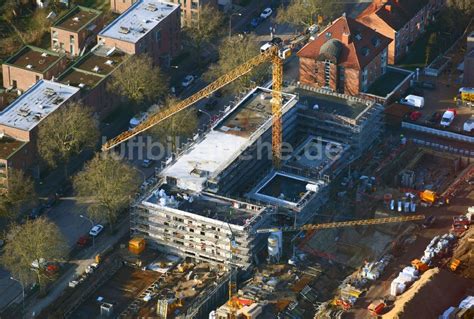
column 395, row 13
column 364, row 43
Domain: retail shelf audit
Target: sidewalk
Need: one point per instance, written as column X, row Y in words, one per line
column 84, row 259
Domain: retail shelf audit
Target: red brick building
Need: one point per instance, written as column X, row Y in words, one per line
column 31, row 64
column 19, row 123
column 403, row 21
column 189, row 8
column 147, row 27
column 76, row 30
column 346, row 57
column 91, row 73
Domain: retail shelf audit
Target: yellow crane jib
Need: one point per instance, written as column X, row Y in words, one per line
column 273, row 54
column 362, row 222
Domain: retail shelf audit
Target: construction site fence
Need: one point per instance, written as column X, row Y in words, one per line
column 444, row 147
column 442, row 133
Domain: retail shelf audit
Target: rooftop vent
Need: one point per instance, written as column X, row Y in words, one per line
column 151, row 7
column 81, row 85
column 44, row 54
column 40, row 106
column 76, row 19
column 375, row 41
column 29, row 66
column 96, row 69
column 124, row 30
column 109, row 62
column 111, row 51
column 358, row 36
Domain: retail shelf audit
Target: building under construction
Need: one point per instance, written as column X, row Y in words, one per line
column 222, row 187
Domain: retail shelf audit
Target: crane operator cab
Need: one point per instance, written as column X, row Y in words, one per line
column 284, row 52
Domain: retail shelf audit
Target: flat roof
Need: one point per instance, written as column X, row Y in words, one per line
column 138, row 20
column 350, row 108
column 389, row 81
column 284, row 189
column 80, row 79
column 43, row 98
column 225, row 142
column 92, row 68
column 78, row 18
column 206, row 205
column 34, row 59
column 9, row 146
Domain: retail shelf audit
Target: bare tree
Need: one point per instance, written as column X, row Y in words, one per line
column 233, row 52
column 107, row 185
column 181, row 125
column 20, row 194
column 204, row 29
column 66, row 133
column 304, row 13
column 139, row 81
column 30, row 247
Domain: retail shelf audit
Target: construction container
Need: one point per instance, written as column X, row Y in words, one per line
column 136, row 245
column 428, row 196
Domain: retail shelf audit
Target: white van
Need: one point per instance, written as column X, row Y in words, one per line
column 413, row 100
column 266, row 46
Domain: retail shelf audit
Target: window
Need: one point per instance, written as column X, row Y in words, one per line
column 37, row 78
column 71, row 39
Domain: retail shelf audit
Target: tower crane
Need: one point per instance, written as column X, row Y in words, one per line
column 274, row 54
column 350, row 223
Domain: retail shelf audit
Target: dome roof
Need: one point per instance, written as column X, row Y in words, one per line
column 331, row 50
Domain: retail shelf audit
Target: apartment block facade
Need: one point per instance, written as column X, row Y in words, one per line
column 403, row 21
column 347, row 57
column 190, row 9
column 76, row 30
column 148, row 27
column 20, row 120
column 31, row 64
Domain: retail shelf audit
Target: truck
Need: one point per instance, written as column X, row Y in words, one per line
column 428, row 196
column 467, row 94
column 448, row 117
column 137, row 119
column 413, row 100
column 460, row 224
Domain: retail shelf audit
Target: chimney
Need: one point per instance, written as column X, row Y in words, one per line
column 345, row 38
column 388, row 7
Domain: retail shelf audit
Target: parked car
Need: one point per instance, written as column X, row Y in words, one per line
column 469, row 125
column 188, row 80
column 256, row 22
column 266, row 13
column 96, row 230
column 84, row 241
column 435, row 117
column 448, row 117
column 147, row 163
column 37, row 211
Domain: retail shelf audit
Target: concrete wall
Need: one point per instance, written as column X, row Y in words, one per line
column 26, row 78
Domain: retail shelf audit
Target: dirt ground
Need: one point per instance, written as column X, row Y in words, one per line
column 380, row 288
column 121, row 290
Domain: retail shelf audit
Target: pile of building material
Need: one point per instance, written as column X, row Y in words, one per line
column 352, row 287
column 437, row 248
column 464, row 310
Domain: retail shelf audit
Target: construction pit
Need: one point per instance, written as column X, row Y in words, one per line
column 324, row 258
